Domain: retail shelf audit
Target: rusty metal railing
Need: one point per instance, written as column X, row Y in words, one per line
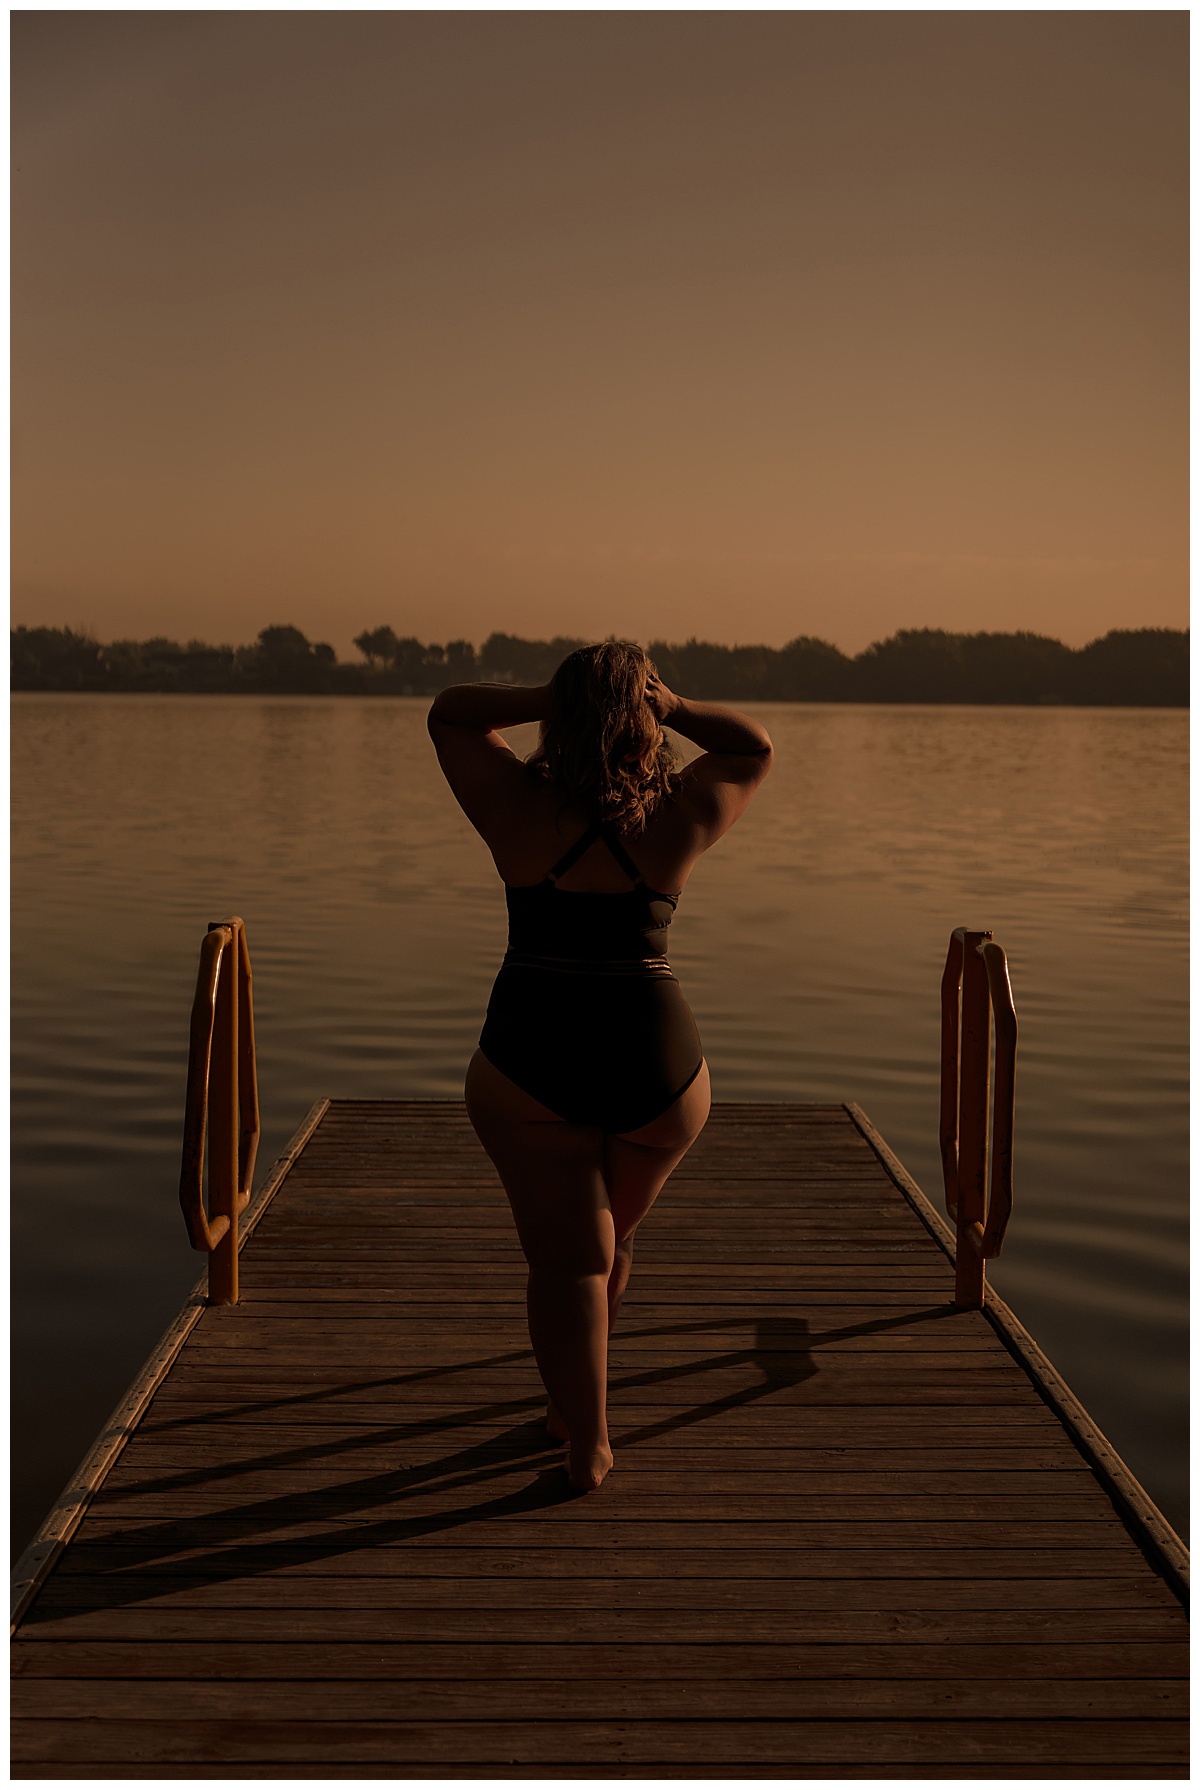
column 975, row 986
column 221, row 1106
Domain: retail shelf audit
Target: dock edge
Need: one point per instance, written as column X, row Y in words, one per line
column 1167, row 1552
column 67, row 1512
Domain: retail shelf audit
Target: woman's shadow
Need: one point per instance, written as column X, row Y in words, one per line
column 126, row 1565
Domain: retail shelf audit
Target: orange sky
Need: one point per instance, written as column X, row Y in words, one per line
column 740, row 325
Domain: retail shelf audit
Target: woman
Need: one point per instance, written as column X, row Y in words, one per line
column 589, row 1084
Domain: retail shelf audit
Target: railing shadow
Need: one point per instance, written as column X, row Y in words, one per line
column 131, row 1564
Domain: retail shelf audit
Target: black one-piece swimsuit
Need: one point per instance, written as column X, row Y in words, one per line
column 585, row 1014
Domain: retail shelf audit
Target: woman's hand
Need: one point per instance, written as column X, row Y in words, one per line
column 663, row 701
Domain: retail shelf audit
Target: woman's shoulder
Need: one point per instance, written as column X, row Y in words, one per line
column 675, row 813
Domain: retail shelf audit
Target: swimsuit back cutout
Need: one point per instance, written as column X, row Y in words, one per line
column 622, row 927
column 585, row 841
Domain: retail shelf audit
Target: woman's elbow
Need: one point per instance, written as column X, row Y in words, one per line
column 753, row 764
column 759, row 762
column 441, row 709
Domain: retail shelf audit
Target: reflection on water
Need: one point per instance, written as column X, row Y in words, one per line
column 810, row 946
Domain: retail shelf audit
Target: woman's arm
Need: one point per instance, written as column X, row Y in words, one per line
column 736, row 756
column 485, row 775
column 482, row 708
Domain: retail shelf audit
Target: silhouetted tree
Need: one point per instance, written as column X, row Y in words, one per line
column 915, row 665
column 376, row 643
column 408, row 666
column 460, row 663
column 411, row 668
column 804, row 670
column 814, row 671
column 56, row 659
column 284, row 661
column 1146, row 667
column 507, row 658
column 1015, row 668
column 283, row 645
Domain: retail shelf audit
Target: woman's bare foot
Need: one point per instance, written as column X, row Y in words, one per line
column 556, row 1424
column 587, row 1468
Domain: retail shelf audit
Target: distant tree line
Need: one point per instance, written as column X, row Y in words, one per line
column 1144, row 667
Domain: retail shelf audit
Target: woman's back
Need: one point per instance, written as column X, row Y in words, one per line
column 530, row 830
column 555, row 923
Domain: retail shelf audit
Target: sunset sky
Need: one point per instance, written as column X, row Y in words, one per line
column 738, row 325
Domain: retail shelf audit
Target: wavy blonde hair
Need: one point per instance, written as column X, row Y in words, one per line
column 602, row 746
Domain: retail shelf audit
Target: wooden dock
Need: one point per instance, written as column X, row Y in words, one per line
column 851, row 1531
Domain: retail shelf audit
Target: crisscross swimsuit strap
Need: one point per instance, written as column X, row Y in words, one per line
column 623, row 858
column 574, row 852
column 586, row 840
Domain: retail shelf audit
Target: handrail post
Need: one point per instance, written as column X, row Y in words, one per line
column 224, row 1129
column 972, row 1123
column 247, row 1071
column 976, row 990
column 951, row 992
column 223, row 1076
column 1000, row 1190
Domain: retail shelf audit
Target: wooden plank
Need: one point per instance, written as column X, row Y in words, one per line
column 188, row 1740
column 213, row 1393
column 937, row 1325
column 818, row 1204
column 726, row 1522
column 660, row 1612
column 433, row 1771
column 503, row 1367
column 389, row 1344
column 297, row 1584
column 652, row 1438
column 630, row 1367
column 453, row 1265
column 1032, row 1467
column 502, row 1661
column 789, row 1350
column 1075, row 1492
column 179, row 1616
column 395, row 1549
column 502, row 1311
column 435, row 1225
column 655, row 1699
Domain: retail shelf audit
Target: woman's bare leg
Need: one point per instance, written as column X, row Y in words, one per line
column 636, row 1167
column 553, row 1174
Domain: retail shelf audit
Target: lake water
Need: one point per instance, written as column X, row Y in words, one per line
column 810, row 944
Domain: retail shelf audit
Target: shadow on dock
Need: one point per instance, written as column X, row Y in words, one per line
column 782, row 1356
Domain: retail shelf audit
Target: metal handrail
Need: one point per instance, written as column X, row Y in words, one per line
column 222, row 1082
column 975, row 992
